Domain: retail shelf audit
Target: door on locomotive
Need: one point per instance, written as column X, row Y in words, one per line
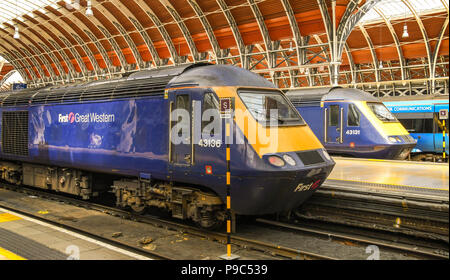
column 334, row 123
column 193, row 111
column 180, row 128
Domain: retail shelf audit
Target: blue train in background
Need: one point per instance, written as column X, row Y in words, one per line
column 421, row 118
column 136, row 136
column 351, row 122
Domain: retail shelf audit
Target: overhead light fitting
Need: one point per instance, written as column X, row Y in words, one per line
column 405, row 31
column 16, row 32
column 381, row 65
column 89, row 11
column 290, row 47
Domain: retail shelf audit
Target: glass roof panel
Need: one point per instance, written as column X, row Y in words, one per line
column 10, row 9
column 14, row 78
column 398, row 9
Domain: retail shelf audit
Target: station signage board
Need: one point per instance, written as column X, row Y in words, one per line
column 226, row 107
column 443, row 114
column 19, row 86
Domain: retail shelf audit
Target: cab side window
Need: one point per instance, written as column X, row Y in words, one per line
column 334, row 115
column 209, row 102
column 353, row 115
column 418, row 125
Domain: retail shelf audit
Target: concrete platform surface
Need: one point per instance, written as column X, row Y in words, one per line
column 391, row 175
column 24, row 238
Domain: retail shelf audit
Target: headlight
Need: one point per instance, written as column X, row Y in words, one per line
column 325, row 153
column 392, row 139
column 289, row 160
column 276, row 161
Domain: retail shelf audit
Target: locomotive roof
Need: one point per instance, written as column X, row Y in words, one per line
column 221, row 75
column 142, row 83
column 330, row 94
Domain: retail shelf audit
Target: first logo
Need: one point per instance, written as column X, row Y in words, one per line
column 71, row 117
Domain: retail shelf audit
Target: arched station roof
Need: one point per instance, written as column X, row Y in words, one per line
column 293, row 43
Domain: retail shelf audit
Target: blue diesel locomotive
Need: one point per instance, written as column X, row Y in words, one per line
column 124, row 136
column 351, row 122
column 421, row 119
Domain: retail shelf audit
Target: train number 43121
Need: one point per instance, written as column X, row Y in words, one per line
column 353, row 132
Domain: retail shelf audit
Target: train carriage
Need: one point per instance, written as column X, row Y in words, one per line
column 121, row 135
column 351, row 122
column 421, row 119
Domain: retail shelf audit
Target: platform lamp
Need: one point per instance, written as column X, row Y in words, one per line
column 89, row 11
column 405, row 29
column 16, row 32
column 380, row 66
column 16, row 27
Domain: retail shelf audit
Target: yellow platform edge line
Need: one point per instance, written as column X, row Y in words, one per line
column 10, row 256
column 395, row 185
column 390, row 161
column 7, row 217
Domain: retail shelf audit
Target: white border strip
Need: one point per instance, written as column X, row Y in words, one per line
column 79, row 236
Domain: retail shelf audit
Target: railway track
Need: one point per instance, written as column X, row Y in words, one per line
column 419, row 215
column 272, row 249
column 241, row 242
column 383, row 241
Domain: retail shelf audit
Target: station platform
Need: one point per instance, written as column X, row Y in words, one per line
column 24, row 238
column 406, row 177
column 399, row 196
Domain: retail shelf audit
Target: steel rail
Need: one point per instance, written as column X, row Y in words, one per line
column 270, row 248
column 403, row 248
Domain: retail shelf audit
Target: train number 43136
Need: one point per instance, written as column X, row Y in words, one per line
column 212, row 143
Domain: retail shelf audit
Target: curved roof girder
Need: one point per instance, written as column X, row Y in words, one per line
column 337, row 37
column 184, row 30
column 29, row 32
column 73, row 33
column 298, row 40
column 16, row 64
column 111, row 39
column 424, row 33
column 31, row 41
column 119, row 27
column 243, row 50
column 208, row 29
column 93, row 39
column 372, row 52
column 401, row 57
column 21, row 58
column 175, row 57
column 49, row 41
column 30, row 56
column 7, row 76
column 435, row 54
column 142, row 32
column 47, row 60
column 270, row 46
column 351, row 21
column 52, row 30
column 351, row 62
